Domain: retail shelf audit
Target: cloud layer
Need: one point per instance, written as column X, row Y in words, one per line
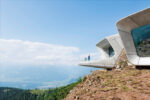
column 20, row 52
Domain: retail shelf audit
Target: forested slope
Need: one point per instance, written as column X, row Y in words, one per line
column 59, row 93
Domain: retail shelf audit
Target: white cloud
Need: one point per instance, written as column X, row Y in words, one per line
column 18, row 52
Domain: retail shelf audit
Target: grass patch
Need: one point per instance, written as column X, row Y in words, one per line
column 125, row 88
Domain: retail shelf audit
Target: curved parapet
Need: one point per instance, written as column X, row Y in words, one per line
column 134, row 31
column 110, row 48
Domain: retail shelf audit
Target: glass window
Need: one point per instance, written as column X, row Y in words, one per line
column 111, row 51
column 141, row 38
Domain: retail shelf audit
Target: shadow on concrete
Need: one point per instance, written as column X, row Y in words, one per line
column 142, row 67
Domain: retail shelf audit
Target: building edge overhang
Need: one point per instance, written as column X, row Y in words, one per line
column 106, row 39
column 95, row 64
column 133, row 14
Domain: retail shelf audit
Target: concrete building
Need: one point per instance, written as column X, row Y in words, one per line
column 134, row 31
column 110, row 48
column 134, row 37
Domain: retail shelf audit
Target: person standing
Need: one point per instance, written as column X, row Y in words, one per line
column 89, row 57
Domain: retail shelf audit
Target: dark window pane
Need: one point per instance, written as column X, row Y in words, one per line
column 111, row 51
column 141, row 38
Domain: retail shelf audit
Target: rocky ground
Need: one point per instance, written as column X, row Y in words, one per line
column 124, row 83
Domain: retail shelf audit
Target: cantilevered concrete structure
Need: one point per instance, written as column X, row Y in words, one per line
column 134, row 31
column 110, row 48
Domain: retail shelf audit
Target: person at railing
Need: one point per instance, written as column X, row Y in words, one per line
column 89, row 58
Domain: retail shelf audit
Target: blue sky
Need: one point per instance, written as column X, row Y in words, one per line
column 80, row 23
column 70, row 28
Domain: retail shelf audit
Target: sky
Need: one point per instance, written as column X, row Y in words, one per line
column 42, row 41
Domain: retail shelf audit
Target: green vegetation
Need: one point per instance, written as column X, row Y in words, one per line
column 37, row 94
column 15, row 94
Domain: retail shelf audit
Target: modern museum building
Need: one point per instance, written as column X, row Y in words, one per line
column 133, row 37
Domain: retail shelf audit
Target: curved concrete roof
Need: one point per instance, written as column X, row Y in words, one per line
column 125, row 26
